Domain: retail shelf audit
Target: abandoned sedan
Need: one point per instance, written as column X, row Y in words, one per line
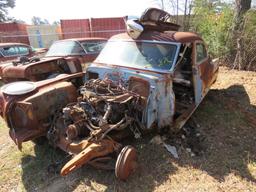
column 11, row 51
column 149, row 78
column 64, row 57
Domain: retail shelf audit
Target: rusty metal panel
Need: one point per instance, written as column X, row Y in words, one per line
column 13, row 32
column 75, row 28
column 107, row 27
column 8, row 27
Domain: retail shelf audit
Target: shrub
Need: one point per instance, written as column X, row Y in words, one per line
column 214, row 27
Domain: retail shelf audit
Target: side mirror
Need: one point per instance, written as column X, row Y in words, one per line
column 134, row 29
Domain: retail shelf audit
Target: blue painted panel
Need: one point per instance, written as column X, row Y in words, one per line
column 39, row 39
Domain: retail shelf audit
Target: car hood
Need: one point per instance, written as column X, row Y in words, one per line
column 6, row 69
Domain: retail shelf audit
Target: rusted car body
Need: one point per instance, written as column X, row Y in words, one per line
column 136, row 85
column 63, row 57
column 11, row 51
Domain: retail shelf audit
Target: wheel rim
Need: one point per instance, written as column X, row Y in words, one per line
column 126, row 162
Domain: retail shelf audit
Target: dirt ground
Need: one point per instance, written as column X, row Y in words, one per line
column 223, row 144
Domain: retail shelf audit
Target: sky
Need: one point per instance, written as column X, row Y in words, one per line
column 77, row 9
column 54, row 10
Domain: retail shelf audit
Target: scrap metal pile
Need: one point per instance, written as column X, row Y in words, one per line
column 90, row 128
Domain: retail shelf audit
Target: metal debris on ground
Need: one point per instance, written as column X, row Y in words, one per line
column 172, row 150
column 157, row 140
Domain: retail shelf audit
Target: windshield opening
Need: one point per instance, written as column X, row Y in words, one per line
column 64, row 48
column 147, row 55
column 93, row 47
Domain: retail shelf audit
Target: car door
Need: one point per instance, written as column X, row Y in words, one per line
column 200, row 70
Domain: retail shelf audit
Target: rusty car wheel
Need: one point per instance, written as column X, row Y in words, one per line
column 126, row 162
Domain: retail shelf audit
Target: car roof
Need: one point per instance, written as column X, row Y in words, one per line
column 84, row 39
column 166, row 36
column 12, row 44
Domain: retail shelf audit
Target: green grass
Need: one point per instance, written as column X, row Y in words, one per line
column 35, row 161
column 29, row 165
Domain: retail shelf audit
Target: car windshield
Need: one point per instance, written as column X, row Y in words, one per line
column 9, row 51
column 64, row 48
column 93, row 47
column 147, row 55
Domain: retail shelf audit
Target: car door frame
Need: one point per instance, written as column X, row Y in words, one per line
column 199, row 68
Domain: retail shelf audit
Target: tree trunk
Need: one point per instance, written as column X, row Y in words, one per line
column 242, row 6
column 185, row 16
column 177, row 16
